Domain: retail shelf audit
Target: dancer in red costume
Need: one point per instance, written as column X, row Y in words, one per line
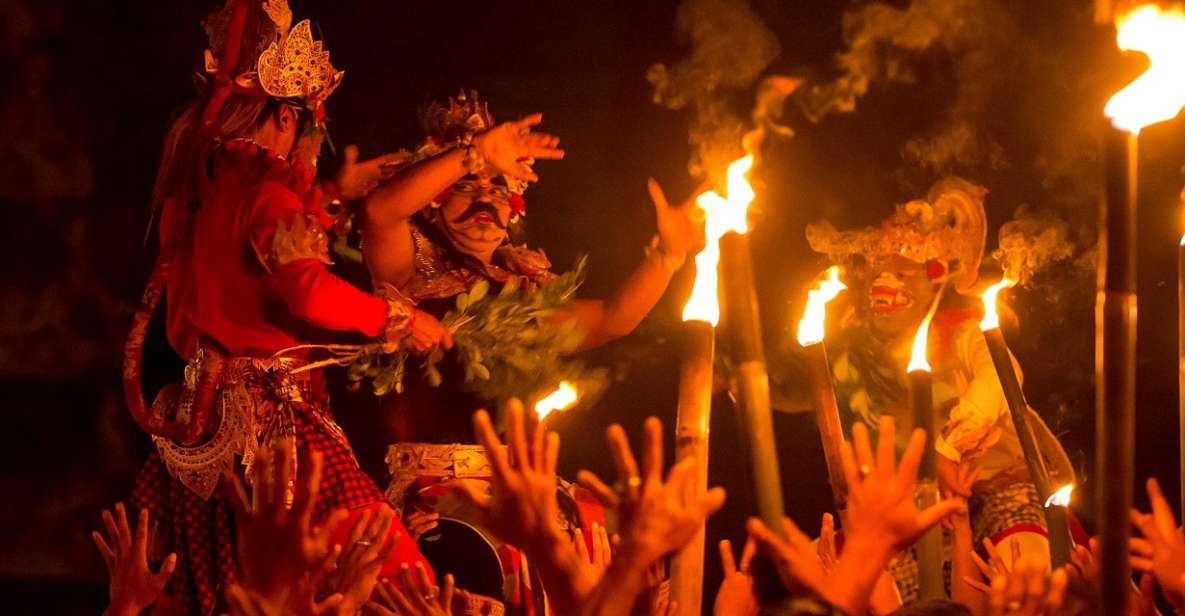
column 242, row 264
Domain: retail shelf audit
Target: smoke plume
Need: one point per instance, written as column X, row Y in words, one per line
column 730, row 47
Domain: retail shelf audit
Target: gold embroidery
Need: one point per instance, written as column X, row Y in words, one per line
column 303, row 239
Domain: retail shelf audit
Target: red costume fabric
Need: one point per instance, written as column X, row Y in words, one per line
column 226, row 291
column 221, row 289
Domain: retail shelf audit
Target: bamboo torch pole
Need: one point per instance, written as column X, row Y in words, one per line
column 1155, row 96
column 701, row 314
column 921, row 398
column 810, row 336
column 1018, row 407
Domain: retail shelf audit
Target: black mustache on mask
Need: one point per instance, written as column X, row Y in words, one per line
column 478, row 207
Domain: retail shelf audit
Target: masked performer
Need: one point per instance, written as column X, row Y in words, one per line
column 441, row 225
column 898, row 271
column 438, row 229
column 243, row 254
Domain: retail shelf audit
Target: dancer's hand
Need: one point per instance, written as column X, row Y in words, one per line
column 508, row 147
column 133, row 586
column 357, row 179
column 681, row 228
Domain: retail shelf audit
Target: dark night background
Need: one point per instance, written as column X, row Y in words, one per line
column 88, row 87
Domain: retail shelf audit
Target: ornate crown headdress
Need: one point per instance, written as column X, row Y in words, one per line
column 454, row 124
column 255, row 48
column 949, row 227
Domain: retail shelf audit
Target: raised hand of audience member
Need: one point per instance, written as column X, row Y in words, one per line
column 415, row 596
column 1027, row 590
column 995, row 566
column 283, row 557
column 369, row 544
column 1166, row 544
column 132, row 584
column 881, row 518
column 736, row 596
column 657, row 516
column 419, row 522
column 595, row 563
column 521, row 507
column 885, row 596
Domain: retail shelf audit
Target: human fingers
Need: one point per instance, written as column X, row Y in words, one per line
column 727, row 561
column 358, row 532
column 1058, row 582
column 603, row 493
column 652, row 449
column 657, row 196
column 936, row 513
column 599, row 546
column 977, row 585
column 580, row 547
column 767, row 542
column 140, row 540
column 471, row 494
column 516, row 438
column 1140, row 547
column 747, row 553
column 907, row 470
column 863, row 448
column 886, row 448
column 350, row 154
column 447, row 591
column 1032, row 575
column 1166, row 522
column 166, row 570
column 112, row 530
column 983, row 566
column 847, row 460
column 483, row 428
column 328, row 604
column 997, row 561
column 286, row 453
column 121, row 525
column 551, row 453
column 711, row 502
column 623, row 458
column 104, row 550
column 531, row 120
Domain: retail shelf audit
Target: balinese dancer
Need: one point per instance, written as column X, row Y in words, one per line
column 442, row 224
column 896, row 272
column 242, row 264
column 438, row 231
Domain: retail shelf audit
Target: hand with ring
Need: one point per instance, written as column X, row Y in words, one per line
column 736, row 596
column 415, row 596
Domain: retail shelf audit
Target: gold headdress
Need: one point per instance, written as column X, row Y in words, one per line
column 254, row 46
column 296, row 66
column 453, row 125
column 949, row 226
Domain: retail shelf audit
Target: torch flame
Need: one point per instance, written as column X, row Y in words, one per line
column 1060, row 498
column 721, row 215
column 1159, row 93
column 991, row 318
column 810, row 328
column 562, row 399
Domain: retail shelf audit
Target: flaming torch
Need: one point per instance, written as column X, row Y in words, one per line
column 921, row 397
column 1181, row 358
column 1018, row 407
column 562, row 398
column 1156, row 95
column 810, row 336
column 701, row 314
column 744, row 325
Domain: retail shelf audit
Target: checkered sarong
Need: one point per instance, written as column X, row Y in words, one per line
column 1001, row 507
column 201, row 532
